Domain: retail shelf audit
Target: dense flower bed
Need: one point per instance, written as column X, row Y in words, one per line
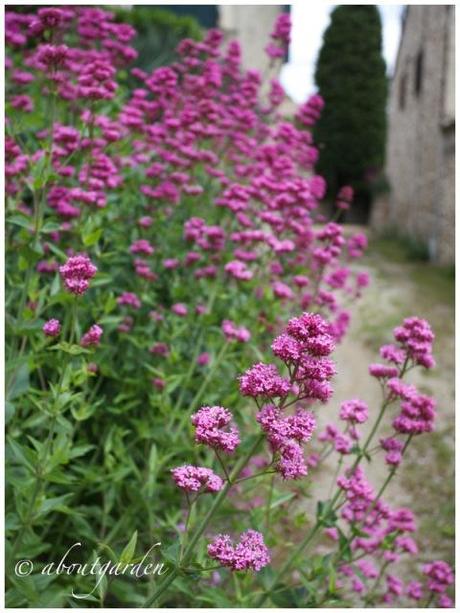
column 174, row 301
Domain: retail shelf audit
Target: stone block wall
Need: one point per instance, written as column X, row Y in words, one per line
column 420, row 147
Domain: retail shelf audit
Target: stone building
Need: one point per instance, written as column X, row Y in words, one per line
column 420, row 163
column 252, row 26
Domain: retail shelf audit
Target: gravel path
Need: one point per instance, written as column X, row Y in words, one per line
column 425, row 482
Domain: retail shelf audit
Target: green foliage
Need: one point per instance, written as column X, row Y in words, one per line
column 350, row 75
column 158, row 33
column 400, row 247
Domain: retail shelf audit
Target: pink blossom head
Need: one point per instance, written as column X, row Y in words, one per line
column 282, row 29
column 414, row 590
column 142, row 246
column 92, row 337
column 383, row 371
column 282, row 291
column 238, row 270
column 445, row 602
column 416, row 338
column 343, row 443
column 203, row 359
column 159, row 349
column 264, row 380
column 354, row 411
column 145, row 222
column 309, row 113
column 171, row 263
column 291, row 463
column 280, row 428
column 301, row 280
column 52, row 327
column 47, row 18
column 195, row 478
column 129, row 299
column 179, row 309
column 250, row 553
column 213, row 428
column 159, row 383
column 417, row 415
column 76, row 273
column 363, row 279
column 233, row 332
column 313, row 332
column 439, row 576
column 345, row 197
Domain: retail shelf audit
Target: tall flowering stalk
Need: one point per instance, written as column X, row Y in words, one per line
column 304, row 347
column 199, row 203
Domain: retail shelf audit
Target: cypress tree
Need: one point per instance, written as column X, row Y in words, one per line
column 350, row 76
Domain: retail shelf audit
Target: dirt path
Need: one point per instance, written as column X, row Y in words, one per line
column 425, row 482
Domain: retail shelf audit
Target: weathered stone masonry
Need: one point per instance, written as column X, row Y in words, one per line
column 420, row 151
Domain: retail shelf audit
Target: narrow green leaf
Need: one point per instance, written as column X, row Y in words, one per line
column 128, row 552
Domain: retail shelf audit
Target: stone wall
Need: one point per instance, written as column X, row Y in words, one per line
column 252, row 26
column 420, row 148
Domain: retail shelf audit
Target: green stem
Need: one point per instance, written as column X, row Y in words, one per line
column 192, row 367
column 193, row 404
column 189, row 374
column 38, row 217
column 237, row 587
column 266, row 472
column 202, row 570
column 429, row 600
column 370, row 595
column 269, row 504
column 309, row 537
column 373, row 431
column 387, row 481
column 44, row 454
column 288, row 564
column 336, row 474
column 187, row 521
column 227, row 476
column 218, row 500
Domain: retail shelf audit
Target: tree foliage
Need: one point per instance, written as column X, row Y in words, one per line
column 159, row 31
column 350, row 75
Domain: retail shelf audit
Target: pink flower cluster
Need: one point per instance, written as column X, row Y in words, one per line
column 394, row 448
column 304, row 348
column 129, row 299
column 209, row 425
column 76, row 273
column 203, row 109
column 417, row 410
column 285, row 433
column 345, row 197
column 309, row 113
column 233, row 332
column 179, row 309
column 439, row 576
column 195, row 478
column 416, row 338
column 264, row 380
column 92, row 337
column 250, row 553
column 354, row 411
column 52, row 327
column 281, row 36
